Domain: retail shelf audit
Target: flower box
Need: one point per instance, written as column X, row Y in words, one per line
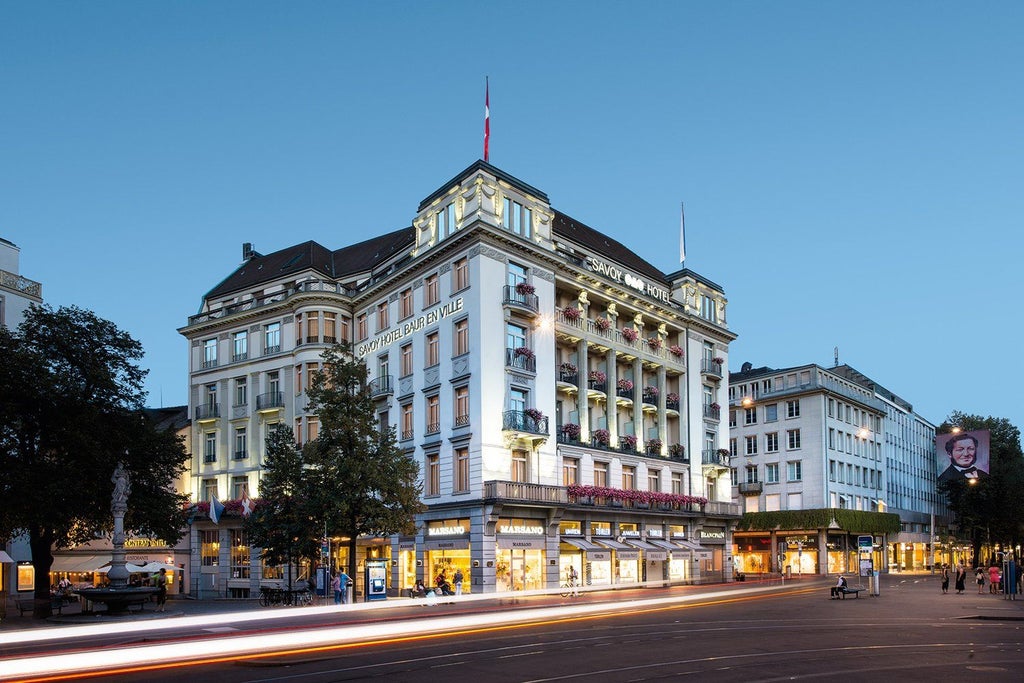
column 672, row 397
column 628, row 442
column 654, row 343
column 571, row 431
column 630, row 334
column 601, row 436
column 603, row 324
column 525, row 288
column 676, row 450
column 654, row 446
column 597, row 376
column 572, row 313
column 568, row 368
column 651, row 393
column 525, row 352
column 676, row 350
column 625, row 384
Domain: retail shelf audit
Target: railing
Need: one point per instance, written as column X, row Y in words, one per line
column 209, row 458
column 711, row 367
column 434, row 428
column 208, row 411
column 407, row 434
column 722, row 509
column 568, row 377
column 380, row 386
column 517, row 420
column 524, row 492
column 277, row 297
column 714, row 457
column 624, row 393
column 597, row 386
column 21, row 284
column 273, row 348
column 650, row 397
column 672, row 405
column 237, row 357
column 207, row 364
column 271, row 399
column 712, row 412
column 520, row 361
column 241, row 455
column 750, row 488
column 528, row 301
column 627, row 445
column 461, row 420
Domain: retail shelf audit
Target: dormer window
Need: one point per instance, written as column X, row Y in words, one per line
column 445, row 221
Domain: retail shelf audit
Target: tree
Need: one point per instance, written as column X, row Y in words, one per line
column 71, row 404
column 365, row 483
column 282, row 524
column 990, row 510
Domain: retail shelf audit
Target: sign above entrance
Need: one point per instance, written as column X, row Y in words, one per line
column 625, row 279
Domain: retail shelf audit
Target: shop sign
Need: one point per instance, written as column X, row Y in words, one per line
column 599, row 555
column 601, row 531
column 572, row 531
column 521, row 530
column 406, row 545
column 445, row 545
column 717, row 535
column 655, row 533
column 629, row 533
column 521, row 543
column 628, row 554
column 657, row 555
column 446, row 531
column 414, row 325
column 145, row 543
column 625, row 279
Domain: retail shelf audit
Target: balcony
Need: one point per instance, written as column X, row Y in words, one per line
column 750, row 488
column 461, row 421
column 433, row 428
column 270, row 401
column 381, row 386
column 241, row 455
column 521, row 422
column 514, row 295
column 521, row 360
column 711, row 367
column 626, row 394
column 672, row 405
column 713, row 411
column 713, row 460
column 522, row 492
column 208, row 412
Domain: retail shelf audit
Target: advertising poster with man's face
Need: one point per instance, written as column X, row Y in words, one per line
column 964, row 455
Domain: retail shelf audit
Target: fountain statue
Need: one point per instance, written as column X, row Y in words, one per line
column 118, row 595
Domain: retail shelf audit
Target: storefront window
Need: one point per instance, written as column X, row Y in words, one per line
column 239, row 555
column 518, row 570
column 210, row 547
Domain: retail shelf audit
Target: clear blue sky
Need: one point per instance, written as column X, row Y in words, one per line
column 852, row 172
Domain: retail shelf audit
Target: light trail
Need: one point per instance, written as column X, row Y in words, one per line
column 127, row 659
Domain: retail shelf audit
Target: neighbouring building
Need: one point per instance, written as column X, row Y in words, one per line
column 17, row 294
column 560, row 394
column 833, row 470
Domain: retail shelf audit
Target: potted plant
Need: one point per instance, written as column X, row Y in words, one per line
column 571, row 312
column 715, row 406
column 630, row 334
column 525, row 288
column 676, row 450
column 628, row 442
column 534, row 414
column 718, row 359
column 601, row 436
column 724, row 452
column 525, row 352
column 603, row 324
column 654, row 446
column 654, row 343
column 567, row 368
column 624, row 384
column 676, row 350
column 597, row 376
column 650, row 394
column 672, row 397
column 571, row 431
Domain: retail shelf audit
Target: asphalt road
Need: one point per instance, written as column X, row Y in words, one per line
column 730, row 633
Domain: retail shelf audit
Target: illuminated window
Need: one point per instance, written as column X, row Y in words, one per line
column 570, row 471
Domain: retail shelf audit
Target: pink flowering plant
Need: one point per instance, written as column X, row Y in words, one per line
column 571, row 312
column 676, row 350
column 654, row 446
column 603, row 324
column 654, row 343
column 625, row 384
column 601, row 436
column 577, row 491
column 525, row 352
column 672, row 397
column 571, row 430
column 628, row 441
column 651, row 393
column 534, row 414
column 630, row 334
column 597, row 376
column 525, row 288
column 568, row 368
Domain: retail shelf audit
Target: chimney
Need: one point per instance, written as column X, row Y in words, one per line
column 247, row 252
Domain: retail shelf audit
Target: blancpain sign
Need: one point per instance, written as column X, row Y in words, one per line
column 414, row 325
column 627, row 280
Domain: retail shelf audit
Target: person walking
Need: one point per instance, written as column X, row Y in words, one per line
column 979, row 576
column 161, row 593
column 945, row 579
column 336, row 587
column 993, row 579
column 344, row 581
column 961, row 579
column 457, row 581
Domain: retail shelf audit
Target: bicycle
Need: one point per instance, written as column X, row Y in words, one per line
column 570, row 588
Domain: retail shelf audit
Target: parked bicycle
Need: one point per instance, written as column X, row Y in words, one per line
column 270, row 597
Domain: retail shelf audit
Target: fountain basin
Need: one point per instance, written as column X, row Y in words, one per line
column 118, row 600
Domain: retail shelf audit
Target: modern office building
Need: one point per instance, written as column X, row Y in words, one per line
column 560, row 394
column 810, row 443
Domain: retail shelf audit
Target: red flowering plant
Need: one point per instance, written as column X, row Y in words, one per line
column 625, row 384
column 628, row 441
column 672, row 397
column 571, row 430
column 577, row 491
column 718, row 359
column 571, row 312
column 601, row 436
column 525, row 288
column 676, row 350
column 654, row 446
column 654, row 343
column 603, row 324
column 650, row 394
column 630, row 334
column 567, row 368
column 525, row 352
column 597, row 376
column 534, row 414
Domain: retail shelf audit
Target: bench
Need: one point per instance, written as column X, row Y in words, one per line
column 846, row 590
column 29, row 605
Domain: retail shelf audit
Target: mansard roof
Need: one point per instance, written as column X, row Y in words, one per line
column 570, row 229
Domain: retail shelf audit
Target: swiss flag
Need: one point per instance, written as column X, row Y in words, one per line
column 246, row 503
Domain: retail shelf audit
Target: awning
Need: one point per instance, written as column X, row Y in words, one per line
column 5, row 558
column 641, row 545
column 78, row 563
column 582, row 544
column 613, row 545
column 695, row 547
column 664, row 545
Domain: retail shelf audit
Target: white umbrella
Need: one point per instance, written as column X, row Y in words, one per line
column 154, row 567
column 132, row 568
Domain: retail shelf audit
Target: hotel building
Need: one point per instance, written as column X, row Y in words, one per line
column 560, row 394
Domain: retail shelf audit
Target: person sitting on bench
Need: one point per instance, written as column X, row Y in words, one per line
column 840, row 587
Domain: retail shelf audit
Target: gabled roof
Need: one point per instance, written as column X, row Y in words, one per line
column 570, row 229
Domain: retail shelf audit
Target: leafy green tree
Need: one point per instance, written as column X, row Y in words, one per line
column 990, row 510
column 365, row 483
column 71, row 408
column 282, row 524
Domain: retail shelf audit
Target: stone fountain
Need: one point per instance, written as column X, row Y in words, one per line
column 118, row 595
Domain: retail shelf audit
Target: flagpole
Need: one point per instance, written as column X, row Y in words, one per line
column 487, row 118
column 682, row 233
